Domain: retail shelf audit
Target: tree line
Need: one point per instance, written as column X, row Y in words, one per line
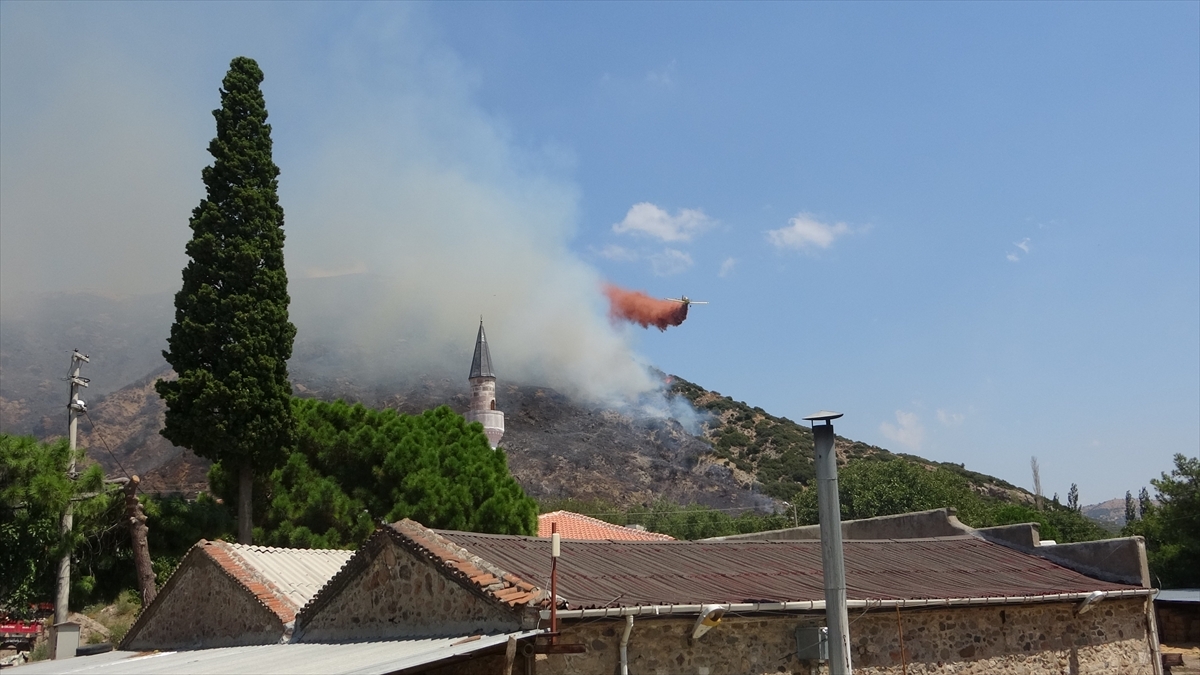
column 351, row 469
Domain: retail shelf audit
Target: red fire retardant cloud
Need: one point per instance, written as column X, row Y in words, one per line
column 645, row 311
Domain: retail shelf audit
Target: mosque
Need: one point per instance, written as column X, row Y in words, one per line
column 483, row 391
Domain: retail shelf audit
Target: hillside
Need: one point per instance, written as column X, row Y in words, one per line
column 744, row 457
column 738, row 456
column 778, row 453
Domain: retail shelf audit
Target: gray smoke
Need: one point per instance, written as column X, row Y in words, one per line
column 410, row 212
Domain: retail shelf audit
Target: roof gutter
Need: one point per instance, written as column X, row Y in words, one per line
column 819, row 605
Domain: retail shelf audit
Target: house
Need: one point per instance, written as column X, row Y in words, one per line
column 225, row 595
column 960, row 604
column 1178, row 615
column 412, row 599
column 578, row 526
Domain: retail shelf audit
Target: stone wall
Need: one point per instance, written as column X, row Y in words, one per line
column 1178, row 622
column 1009, row 640
column 397, row 594
column 1034, row 638
column 203, row 607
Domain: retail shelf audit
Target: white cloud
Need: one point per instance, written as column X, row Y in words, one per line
column 618, row 253
column 908, row 430
column 670, row 261
column 727, row 267
column 805, row 231
column 647, row 219
column 1023, row 246
column 950, row 419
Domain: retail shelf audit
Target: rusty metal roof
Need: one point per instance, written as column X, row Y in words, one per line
column 596, row 574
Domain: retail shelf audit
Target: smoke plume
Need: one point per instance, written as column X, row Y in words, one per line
column 637, row 307
column 410, row 211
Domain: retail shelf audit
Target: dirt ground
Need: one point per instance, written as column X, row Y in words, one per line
column 1191, row 658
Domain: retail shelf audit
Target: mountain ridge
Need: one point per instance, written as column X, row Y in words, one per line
column 738, row 456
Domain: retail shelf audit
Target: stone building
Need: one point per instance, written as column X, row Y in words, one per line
column 1178, row 615
column 224, row 595
column 956, row 604
column 457, row 602
column 483, row 391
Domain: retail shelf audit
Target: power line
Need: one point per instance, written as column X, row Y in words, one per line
column 105, row 442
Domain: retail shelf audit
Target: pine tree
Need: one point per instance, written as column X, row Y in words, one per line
column 232, row 338
column 1073, row 498
column 354, row 466
column 1130, row 508
column 1145, row 506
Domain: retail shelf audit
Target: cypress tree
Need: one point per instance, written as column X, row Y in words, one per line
column 231, row 339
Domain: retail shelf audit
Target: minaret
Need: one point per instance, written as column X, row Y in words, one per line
column 483, row 392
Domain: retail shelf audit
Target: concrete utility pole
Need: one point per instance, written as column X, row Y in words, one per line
column 833, row 565
column 75, row 408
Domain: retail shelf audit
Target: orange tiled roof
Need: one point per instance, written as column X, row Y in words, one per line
column 491, row 579
column 578, row 526
column 282, row 579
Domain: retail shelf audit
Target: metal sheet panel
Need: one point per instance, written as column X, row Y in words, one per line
column 627, row 573
column 359, row 658
column 297, row 573
column 1179, row 595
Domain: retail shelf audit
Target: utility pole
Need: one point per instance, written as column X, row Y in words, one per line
column 75, row 408
column 833, row 565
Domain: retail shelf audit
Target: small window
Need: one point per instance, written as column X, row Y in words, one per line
column 493, row 404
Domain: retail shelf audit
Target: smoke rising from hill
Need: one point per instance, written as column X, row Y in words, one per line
column 409, row 211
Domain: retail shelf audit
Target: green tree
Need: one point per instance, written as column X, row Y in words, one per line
column 34, row 492
column 1130, row 508
column 1172, row 527
column 1145, row 504
column 176, row 524
column 872, row 488
column 354, row 466
column 232, row 338
column 1072, row 498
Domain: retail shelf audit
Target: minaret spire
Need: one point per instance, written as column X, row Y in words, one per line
column 483, row 391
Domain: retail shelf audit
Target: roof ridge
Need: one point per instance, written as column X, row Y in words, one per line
column 604, row 523
column 280, row 549
column 228, row 558
column 489, row 578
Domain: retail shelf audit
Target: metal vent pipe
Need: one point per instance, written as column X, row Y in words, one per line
column 832, row 563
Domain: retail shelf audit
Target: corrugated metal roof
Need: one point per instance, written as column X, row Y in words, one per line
column 578, row 526
column 629, row 573
column 358, row 658
column 296, row 573
column 1179, row 595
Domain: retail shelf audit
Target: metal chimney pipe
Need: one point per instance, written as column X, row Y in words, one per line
column 832, row 563
column 555, row 552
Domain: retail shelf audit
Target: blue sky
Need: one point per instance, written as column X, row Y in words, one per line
column 974, row 228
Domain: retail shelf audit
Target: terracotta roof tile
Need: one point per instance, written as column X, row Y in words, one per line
column 282, row 579
column 578, row 526
column 471, row 569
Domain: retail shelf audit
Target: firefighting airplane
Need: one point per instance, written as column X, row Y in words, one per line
column 685, row 301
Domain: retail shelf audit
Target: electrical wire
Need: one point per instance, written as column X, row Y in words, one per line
column 106, row 448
